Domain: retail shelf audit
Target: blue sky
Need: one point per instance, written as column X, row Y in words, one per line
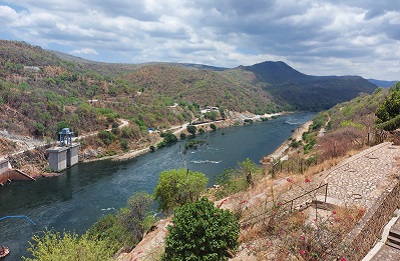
column 333, row 37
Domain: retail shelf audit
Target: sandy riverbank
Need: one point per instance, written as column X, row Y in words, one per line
column 220, row 123
column 297, row 135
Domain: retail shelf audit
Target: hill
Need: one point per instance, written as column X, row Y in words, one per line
column 47, row 90
column 382, row 83
column 304, row 92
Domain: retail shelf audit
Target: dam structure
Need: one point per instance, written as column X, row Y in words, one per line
column 66, row 154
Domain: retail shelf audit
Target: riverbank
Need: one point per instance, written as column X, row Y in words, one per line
column 282, row 151
column 235, row 118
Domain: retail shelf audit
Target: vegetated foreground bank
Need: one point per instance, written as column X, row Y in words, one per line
column 268, row 230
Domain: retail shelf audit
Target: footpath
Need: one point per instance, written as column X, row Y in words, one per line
column 361, row 180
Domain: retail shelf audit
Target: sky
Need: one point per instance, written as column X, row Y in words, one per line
column 331, row 37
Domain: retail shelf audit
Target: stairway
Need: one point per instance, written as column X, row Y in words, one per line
column 393, row 238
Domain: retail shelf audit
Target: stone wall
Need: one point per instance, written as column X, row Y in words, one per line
column 369, row 230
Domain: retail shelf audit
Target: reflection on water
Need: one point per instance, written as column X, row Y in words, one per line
column 87, row 191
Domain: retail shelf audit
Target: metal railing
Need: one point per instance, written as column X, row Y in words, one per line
column 291, row 202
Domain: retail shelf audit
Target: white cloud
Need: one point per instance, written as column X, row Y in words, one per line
column 316, row 36
column 85, row 51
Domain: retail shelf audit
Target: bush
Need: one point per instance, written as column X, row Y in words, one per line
column 201, row 232
column 124, row 144
column 52, row 245
column 213, row 126
column 182, row 136
column 235, row 180
column 177, row 187
column 106, row 137
column 191, row 129
column 127, row 227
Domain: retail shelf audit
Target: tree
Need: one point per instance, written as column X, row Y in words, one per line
column 52, row 245
column 201, row 232
column 213, row 126
column 177, row 187
column 191, row 129
column 389, row 112
column 137, row 215
column 391, row 106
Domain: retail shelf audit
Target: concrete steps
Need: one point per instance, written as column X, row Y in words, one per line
column 393, row 238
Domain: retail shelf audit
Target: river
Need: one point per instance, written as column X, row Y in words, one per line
column 84, row 193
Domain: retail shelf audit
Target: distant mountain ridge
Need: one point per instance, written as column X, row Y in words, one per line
column 382, row 83
column 306, row 92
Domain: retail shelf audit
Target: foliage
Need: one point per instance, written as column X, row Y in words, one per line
column 137, row 216
column 177, row 187
column 212, row 115
column 169, row 137
column 52, row 245
column 106, row 137
column 192, row 144
column 390, row 109
column 350, row 123
column 201, row 232
column 295, row 144
column 191, row 129
column 237, row 179
column 127, row 227
column 318, row 122
column 213, row 126
column 124, row 144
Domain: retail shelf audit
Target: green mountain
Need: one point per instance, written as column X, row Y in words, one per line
column 306, row 92
column 46, row 90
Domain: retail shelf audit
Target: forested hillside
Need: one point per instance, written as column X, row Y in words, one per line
column 45, row 91
column 305, row 92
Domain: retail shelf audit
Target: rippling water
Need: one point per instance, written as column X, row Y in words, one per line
column 84, row 193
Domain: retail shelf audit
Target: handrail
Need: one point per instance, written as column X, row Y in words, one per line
column 21, row 216
column 308, row 192
column 291, row 201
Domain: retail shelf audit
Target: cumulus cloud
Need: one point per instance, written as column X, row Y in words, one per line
column 85, row 51
column 317, row 37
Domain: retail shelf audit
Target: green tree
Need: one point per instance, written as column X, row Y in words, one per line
column 201, row 232
column 39, row 129
column 177, row 187
column 213, row 126
column 389, row 111
column 137, row 216
column 68, row 246
column 191, row 129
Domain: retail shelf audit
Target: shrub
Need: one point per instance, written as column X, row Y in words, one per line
column 213, row 126
column 124, row 144
column 177, row 187
column 191, row 129
column 106, row 137
column 201, row 232
column 237, row 179
column 52, row 245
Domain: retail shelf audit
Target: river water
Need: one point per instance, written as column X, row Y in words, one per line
column 84, row 193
